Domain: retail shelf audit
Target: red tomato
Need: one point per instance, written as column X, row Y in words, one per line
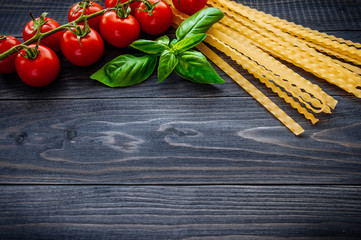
column 51, row 41
column 189, row 7
column 7, row 65
column 156, row 23
column 83, row 52
column 111, row 3
column 119, row 32
column 76, row 10
column 40, row 71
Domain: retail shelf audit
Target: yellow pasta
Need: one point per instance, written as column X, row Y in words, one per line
column 256, row 70
column 252, row 90
column 264, row 67
column 245, row 84
column 346, row 47
column 253, row 39
column 300, row 88
column 295, row 79
column 289, row 48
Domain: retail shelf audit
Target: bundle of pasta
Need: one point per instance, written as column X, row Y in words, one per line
column 296, row 44
column 237, row 77
column 253, row 39
column 252, row 90
column 329, row 44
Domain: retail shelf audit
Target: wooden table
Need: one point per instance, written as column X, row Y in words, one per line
column 176, row 160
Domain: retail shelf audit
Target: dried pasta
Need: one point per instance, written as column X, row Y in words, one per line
column 256, row 70
column 349, row 49
column 270, row 72
column 255, row 39
column 283, row 76
column 252, row 90
column 287, row 47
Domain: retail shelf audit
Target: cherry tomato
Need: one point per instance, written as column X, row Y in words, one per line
column 7, row 65
column 51, row 41
column 84, row 51
column 112, row 3
column 119, row 32
column 189, row 7
column 158, row 21
column 93, row 7
column 40, row 71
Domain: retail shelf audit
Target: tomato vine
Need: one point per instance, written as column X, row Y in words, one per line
column 38, row 35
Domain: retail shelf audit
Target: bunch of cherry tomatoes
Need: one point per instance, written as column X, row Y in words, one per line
column 38, row 65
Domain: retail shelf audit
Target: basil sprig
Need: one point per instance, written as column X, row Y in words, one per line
column 178, row 56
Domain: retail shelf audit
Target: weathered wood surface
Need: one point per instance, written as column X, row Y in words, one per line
column 190, row 140
column 180, row 212
column 175, row 160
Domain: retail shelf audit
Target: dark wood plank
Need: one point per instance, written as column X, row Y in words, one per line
column 163, row 212
column 170, row 140
column 158, row 141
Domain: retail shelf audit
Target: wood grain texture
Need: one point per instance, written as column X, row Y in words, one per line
column 175, row 160
column 170, row 140
column 180, row 212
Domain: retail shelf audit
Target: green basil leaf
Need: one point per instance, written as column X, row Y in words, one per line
column 200, row 22
column 148, row 46
column 126, row 70
column 194, row 66
column 163, row 40
column 188, row 43
column 167, row 63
